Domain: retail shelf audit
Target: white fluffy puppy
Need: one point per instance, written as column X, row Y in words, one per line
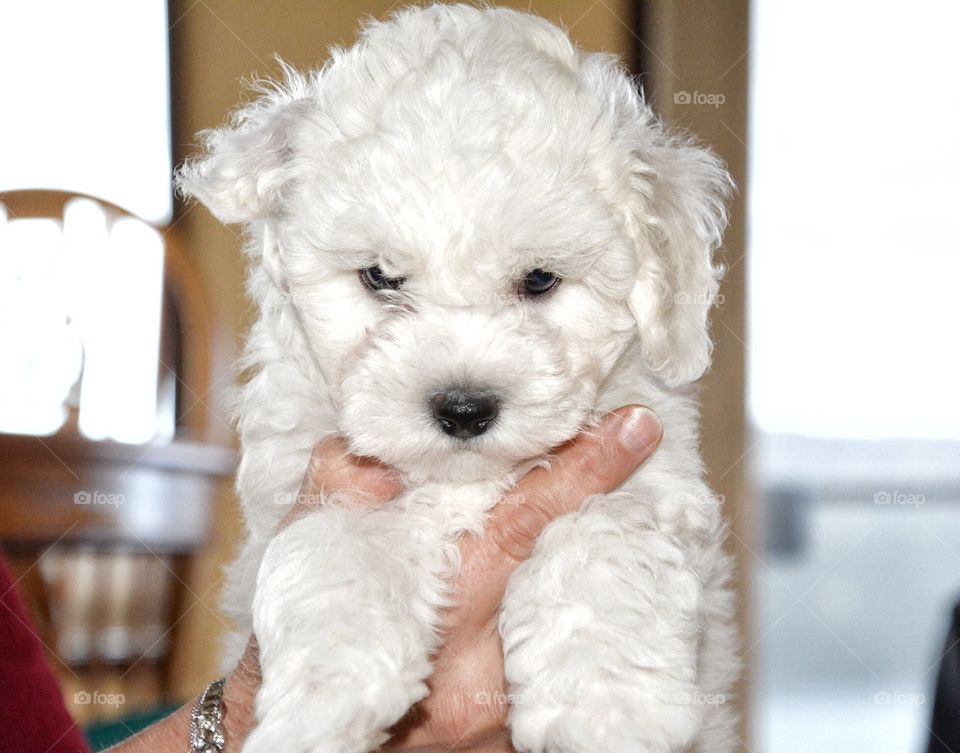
column 469, row 239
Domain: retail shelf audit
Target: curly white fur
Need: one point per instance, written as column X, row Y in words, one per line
column 459, row 148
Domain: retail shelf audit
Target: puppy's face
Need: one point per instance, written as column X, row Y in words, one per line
column 471, row 224
column 464, row 310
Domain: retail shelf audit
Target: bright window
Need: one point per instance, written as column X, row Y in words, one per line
column 853, row 192
column 853, row 368
column 86, row 101
column 86, row 110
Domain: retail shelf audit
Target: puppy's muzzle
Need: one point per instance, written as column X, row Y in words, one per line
column 464, row 414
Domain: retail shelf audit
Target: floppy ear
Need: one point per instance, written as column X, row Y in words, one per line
column 246, row 165
column 682, row 193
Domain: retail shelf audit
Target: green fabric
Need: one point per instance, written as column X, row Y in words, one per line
column 102, row 736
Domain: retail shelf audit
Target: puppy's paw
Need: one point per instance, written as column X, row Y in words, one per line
column 342, row 657
column 325, row 716
column 614, row 719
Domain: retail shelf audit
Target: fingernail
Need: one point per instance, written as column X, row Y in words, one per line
column 641, row 429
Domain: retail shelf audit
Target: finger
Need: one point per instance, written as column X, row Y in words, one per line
column 334, row 471
column 594, row 463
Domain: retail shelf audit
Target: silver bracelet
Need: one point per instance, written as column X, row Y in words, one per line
column 206, row 730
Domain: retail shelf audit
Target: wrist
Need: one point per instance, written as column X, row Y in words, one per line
column 239, row 696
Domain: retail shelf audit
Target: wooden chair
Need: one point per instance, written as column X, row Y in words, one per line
column 100, row 534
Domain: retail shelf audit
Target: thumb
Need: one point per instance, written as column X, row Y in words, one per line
column 334, row 471
column 593, row 463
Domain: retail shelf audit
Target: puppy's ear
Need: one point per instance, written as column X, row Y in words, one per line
column 682, row 193
column 246, row 165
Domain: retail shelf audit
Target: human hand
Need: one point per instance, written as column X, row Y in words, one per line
column 467, row 706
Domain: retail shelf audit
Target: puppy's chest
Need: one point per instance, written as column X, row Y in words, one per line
column 447, row 508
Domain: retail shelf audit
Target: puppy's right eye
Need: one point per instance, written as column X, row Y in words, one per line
column 539, row 281
column 374, row 279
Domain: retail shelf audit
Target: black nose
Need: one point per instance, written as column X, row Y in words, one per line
column 464, row 414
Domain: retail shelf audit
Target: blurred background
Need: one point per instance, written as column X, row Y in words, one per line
column 831, row 423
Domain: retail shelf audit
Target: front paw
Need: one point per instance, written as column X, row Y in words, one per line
column 288, row 728
column 292, row 718
column 299, row 715
column 606, row 716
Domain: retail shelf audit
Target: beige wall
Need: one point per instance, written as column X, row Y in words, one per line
column 703, row 47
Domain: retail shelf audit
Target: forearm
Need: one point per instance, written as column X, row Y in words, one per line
column 172, row 734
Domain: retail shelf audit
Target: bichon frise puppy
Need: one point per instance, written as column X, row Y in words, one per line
column 468, row 240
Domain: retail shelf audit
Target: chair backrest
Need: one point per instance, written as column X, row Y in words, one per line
column 101, row 533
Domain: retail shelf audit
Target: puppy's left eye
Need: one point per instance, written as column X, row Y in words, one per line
column 374, row 279
column 539, row 281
